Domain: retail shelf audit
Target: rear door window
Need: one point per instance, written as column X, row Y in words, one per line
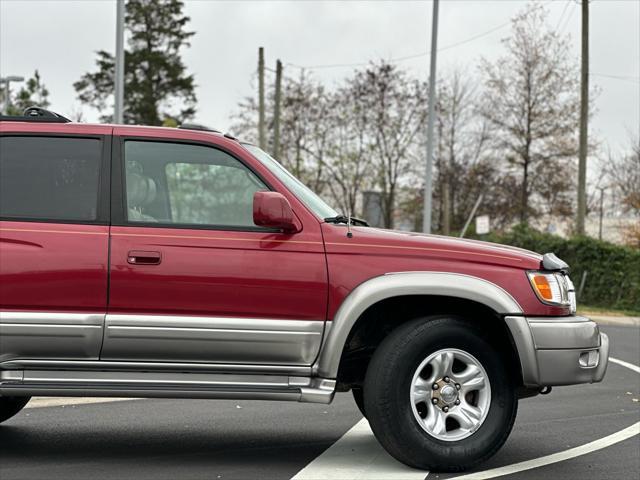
column 49, row 178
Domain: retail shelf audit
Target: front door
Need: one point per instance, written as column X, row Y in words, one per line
column 193, row 279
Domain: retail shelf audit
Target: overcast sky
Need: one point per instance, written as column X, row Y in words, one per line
column 60, row 39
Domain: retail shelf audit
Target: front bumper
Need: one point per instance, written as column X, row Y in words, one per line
column 559, row 350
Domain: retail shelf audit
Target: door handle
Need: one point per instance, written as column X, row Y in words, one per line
column 139, row 257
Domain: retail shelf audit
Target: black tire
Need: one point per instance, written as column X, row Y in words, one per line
column 358, row 397
column 9, row 406
column 387, row 389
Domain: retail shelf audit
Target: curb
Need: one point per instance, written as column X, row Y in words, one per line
column 616, row 320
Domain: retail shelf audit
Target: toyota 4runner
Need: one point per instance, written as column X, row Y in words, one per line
column 183, row 263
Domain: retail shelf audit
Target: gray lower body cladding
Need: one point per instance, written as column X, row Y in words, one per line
column 559, row 350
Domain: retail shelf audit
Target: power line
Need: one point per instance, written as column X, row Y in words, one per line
column 407, row 57
column 623, row 78
column 424, row 53
column 562, row 14
column 571, row 12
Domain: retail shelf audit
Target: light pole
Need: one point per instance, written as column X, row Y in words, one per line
column 7, row 91
column 426, row 214
column 118, row 115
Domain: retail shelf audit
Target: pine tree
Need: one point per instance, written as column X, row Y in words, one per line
column 158, row 88
column 32, row 94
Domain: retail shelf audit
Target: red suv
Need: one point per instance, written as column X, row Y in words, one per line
column 159, row 262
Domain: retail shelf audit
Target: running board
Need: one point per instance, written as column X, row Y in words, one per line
column 165, row 385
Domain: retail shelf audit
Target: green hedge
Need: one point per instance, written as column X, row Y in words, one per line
column 613, row 271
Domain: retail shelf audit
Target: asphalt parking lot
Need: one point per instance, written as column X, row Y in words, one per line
column 194, row 439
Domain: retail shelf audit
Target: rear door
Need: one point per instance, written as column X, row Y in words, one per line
column 53, row 244
column 193, row 279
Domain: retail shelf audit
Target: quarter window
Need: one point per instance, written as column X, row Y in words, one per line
column 185, row 184
column 49, row 178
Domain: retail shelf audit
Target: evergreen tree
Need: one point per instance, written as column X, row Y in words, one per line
column 32, row 94
column 158, row 88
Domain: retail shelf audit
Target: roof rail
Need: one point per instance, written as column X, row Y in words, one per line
column 36, row 114
column 197, row 126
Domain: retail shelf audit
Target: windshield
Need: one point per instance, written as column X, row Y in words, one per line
column 300, row 190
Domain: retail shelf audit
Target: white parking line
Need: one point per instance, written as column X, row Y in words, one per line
column 566, row 454
column 628, row 365
column 357, row 455
column 556, row 457
column 42, row 402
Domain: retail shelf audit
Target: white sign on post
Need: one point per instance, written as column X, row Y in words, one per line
column 482, row 224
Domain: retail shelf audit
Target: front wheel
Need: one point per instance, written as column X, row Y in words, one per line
column 438, row 395
column 9, row 406
column 358, row 397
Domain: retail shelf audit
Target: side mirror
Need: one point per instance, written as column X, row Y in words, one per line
column 273, row 210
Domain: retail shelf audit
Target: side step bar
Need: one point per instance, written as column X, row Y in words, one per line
column 165, row 385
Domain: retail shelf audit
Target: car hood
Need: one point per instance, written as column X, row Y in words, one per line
column 399, row 243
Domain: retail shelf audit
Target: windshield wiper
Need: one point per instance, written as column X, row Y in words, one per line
column 344, row 219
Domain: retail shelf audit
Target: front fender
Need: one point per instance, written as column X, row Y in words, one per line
column 399, row 284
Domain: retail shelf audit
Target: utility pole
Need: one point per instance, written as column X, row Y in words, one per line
column 601, row 212
column 7, row 90
column 261, row 132
column 584, row 121
column 118, row 115
column 426, row 215
column 276, row 113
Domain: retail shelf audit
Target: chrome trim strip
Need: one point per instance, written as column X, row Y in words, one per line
column 405, row 283
column 221, row 330
column 47, row 325
column 49, row 318
column 226, row 340
column 166, row 385
column 201, row 380
column 35, row 364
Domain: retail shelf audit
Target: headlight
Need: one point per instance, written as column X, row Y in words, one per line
column 553, row 289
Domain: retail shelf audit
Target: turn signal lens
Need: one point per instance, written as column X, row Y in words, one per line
column 542, row 285
column 552, row 288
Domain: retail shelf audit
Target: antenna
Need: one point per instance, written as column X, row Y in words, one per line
column 349, row 232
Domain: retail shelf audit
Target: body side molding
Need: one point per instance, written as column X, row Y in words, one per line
column 400, row 284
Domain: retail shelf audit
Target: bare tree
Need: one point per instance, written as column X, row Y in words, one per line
column 347, row 158
column 531, row 103
column 303, row 127
column 396, row 115
column 622, row 173
column 463, row 136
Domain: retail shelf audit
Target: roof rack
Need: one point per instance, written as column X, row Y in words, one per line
column 36, row 114
column 197, row 126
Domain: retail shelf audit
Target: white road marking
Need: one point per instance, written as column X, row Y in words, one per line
column 556, row 457
column 599, row 444
column 358, row 455
column 628, row 365
column 41, row 402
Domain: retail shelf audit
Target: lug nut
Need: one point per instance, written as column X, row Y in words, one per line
column 435, row 386
column 445, row 409
column 434, row 401
column 458, row 386
column 446, row 379
column 457, row 402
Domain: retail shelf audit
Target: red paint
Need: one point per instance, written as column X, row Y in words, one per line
column 272, row 210
column 304, row 275
column 208, row 272
column 53, row 267
column 373, row 252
